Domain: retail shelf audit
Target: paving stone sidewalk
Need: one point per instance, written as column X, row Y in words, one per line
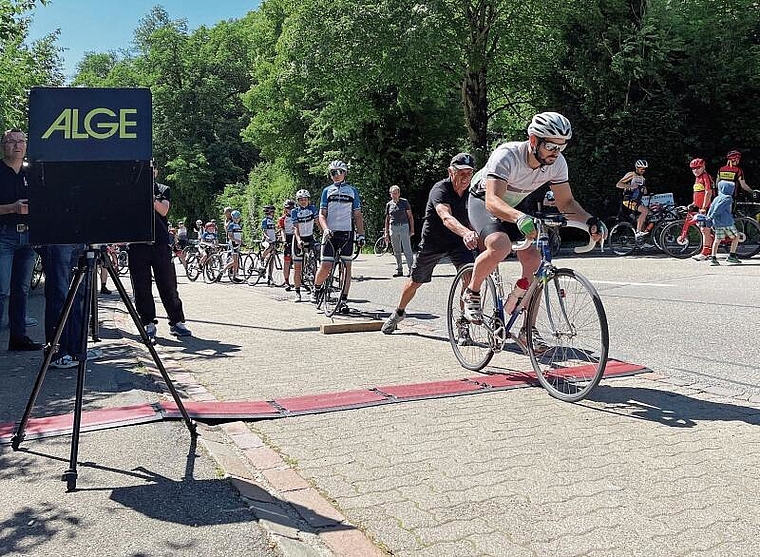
column 647, row 466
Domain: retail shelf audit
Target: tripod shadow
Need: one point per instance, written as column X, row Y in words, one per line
column 668, row 408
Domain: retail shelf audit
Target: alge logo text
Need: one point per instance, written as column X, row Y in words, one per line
column 98, row 123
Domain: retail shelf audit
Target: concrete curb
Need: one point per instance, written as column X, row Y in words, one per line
column 267, row 483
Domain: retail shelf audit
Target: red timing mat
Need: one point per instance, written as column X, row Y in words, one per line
column 293, row 406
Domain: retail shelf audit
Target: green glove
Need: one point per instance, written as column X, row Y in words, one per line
column 526, row 224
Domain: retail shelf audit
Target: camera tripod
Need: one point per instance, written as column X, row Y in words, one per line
column 86, row 272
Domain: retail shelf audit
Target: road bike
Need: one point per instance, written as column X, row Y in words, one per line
column 309, row 264
column 564, row 325
column 267, row 266
column 334, row 286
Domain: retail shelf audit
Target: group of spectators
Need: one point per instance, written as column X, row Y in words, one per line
column 17, row 257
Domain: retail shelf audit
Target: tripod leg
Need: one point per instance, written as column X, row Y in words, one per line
column 191, row 426
column 79, row 275
column 70, row 475
column 94, row 312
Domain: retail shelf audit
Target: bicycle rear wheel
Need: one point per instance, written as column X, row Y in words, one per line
column 193, row 269
column 333, row 288
column 679, row 244
column 751, row 244
column 623, row 238
column 471, row 343
column 569, row 341
column 37, row 271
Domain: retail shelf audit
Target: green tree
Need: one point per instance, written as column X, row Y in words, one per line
column 21, row 66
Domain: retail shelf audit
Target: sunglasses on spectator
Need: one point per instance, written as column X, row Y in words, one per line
column 336, row 172
column 554, row 147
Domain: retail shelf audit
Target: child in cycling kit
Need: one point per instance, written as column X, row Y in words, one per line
column 234, row 241
column 704, row 192
column 723, row 222
column 302, row 217
column 268, row 234
column 285, row 224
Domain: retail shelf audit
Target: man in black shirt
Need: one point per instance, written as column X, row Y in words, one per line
column 16, row 254
column 445, row 232
column 157, row 256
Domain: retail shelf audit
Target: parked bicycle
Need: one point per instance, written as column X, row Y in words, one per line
column 269, row 266
column 565, row 325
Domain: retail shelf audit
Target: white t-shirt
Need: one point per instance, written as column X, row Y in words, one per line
column 509, row 162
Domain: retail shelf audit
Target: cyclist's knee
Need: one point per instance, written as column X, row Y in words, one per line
column 498, row 244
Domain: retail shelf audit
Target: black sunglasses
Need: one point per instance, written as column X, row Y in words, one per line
column 337, row 172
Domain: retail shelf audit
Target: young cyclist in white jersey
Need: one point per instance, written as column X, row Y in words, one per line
column 513, row 171
column 268, row 239
column 303, row 217
column 234, row 241
column 340, row 209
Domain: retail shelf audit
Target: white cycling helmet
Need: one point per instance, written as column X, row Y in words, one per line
column 550, row 124
column 303, row 194
column 338, row 165
column 641, row 163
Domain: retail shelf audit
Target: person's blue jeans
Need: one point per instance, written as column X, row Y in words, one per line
column 16, row 265
column 59, row 262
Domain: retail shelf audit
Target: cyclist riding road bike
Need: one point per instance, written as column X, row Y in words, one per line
column 513, row 171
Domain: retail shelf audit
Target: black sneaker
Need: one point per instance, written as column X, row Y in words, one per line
column 23, row 344
column 398, row 273
column 104, row 290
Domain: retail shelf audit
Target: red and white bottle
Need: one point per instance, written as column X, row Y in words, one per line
column 521, row 287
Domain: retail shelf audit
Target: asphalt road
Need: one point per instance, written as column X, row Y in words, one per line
column 681, row 317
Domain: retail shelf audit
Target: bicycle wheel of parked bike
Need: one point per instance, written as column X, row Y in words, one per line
column 193, row 269
column 249, row 262
column 275, row 275
column 622, row 238
column 569, row 340
column 37, row 271
column 213, row 268
column 751, row 230
column 471, row 343
column 309, row 267
column 123, row 261
column 333, row 287
column 381, row 246
column 678, row 244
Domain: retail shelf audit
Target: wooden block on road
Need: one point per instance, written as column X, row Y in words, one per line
column 351, row 327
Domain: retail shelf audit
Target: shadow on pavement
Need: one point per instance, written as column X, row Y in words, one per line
column 668, row 408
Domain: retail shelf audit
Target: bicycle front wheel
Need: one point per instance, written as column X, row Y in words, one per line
column 123, row 262
column 751, row 244
column 333, row 288
column 471, row 343
column 380, row 246
column 569, row 341
column 275, row 276
column 680, row 240
column 622, row 238
column 213, row 269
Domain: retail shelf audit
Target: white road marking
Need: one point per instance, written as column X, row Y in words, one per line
column 626, row 283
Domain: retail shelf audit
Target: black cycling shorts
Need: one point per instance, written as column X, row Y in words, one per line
column 342, row 241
